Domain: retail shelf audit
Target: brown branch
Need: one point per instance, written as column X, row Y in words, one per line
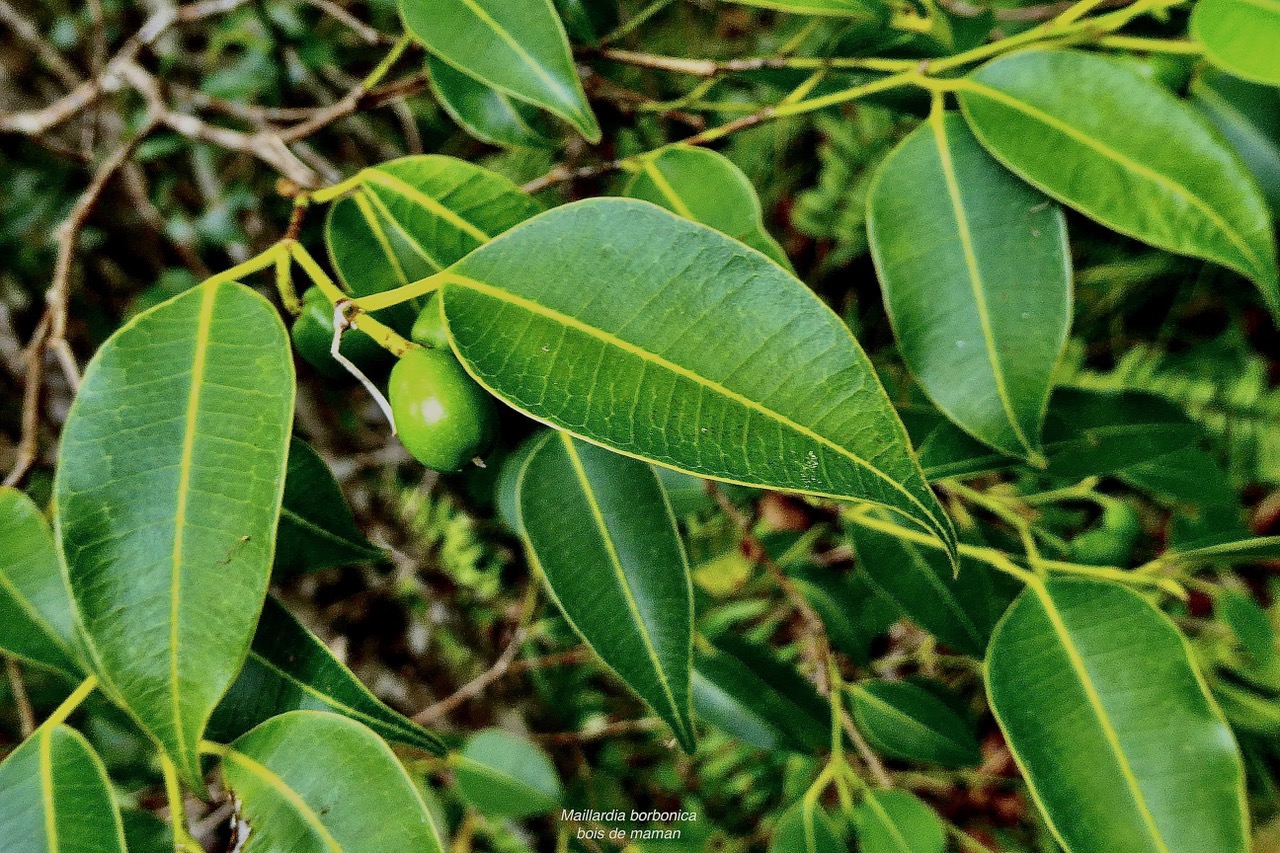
column 26, row 716
column 28, row 32
column 369, row 35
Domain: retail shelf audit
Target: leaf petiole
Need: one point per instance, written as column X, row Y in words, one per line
column 69, row 705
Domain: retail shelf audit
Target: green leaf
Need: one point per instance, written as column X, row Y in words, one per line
column 36, row 622
column 317, row 530
column 1099, row 137
column 712, row 353
column 312, row 782
column 168, row 491
column 486, row 113
column 897, row 822
column 289, row 669
column 411, row 217
column 55, row 797
column 1248, row 115
column 601, row 530
column 505, row 776
column 834, row 8
column 516, row 46
column 906, row 721
column 805, row 828
column 957, row 609
column 1076, row 673
column 1240, row 36
column 703, row 186
column 977, row 282
column 1232, row 552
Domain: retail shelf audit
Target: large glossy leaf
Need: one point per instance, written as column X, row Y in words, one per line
column 289, row 669
column 1077, row 672
column 516, row 46
column 666, row 340
column 1123, row 150
column 977, row 281
column 705, row 187
column 600, row 528
column 505, row 776
column 36, row 622
column 907, row 721
column 316, row 530
column 312, row 782
column 1241, row 36
column 168, row 490
column 484, row 112
column 55, row 797
column 805, row 828
column 837, row 8
column 897, row 822
column 1248, row 115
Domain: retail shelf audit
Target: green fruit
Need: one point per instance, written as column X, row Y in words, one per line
column 429, row 329
column 313, row 335
column 443, row 417
column 1111, row 542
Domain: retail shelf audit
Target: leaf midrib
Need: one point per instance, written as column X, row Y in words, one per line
column 385, row 179
column 520, row 51
column 46, row 789
column 290, row 795
column 907, row 719
column 317, row 530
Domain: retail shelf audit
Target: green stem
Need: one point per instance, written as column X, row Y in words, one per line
column 1148, row 45
column 397, row 50
column 182, row 840
column 69, row 705
column 258, row 263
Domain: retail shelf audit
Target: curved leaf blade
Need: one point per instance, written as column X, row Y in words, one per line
column 1100, row 138
column 600, row 528
column 505, row 776
column 289, row 669
column 697, row 336
column 976, row 276
column 312, row 782
column 897, row 822
column 485, row 112
column 704, row 186
column 1078, row 719
column 1240, row 36
column 55, row 797
column 316, row 530
column 36, row 621
column 1245, row 113
column 516, row 46
column 168, row 492
column 906, row 721
column 805, row 828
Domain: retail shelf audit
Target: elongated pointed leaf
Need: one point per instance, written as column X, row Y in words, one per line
column 36, row 622
column 55, row 797
column 516, row 46
column 505, row 776
column 897, row 822
column 289, row 669
column 168, row 491
column 835, row 8
column 1076, row 673
column 712, row 355
column 904, row 720
column 1240, row 36
column 316, row 530
column 600, row 528
column 1099, row 137
column 977, row 282
column 312, row 782
column 486, row 113
column 1226, row 552
column 705, row 187
column 805, row 828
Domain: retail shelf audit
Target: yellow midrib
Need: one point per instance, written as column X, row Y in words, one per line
column 620, row 573
column 1155, row 177
column 907, row 721
column 1095, row 702
column 391, row 182
column 889, row 825
column 976, row 281
column 35, row 616
column 46, row 789
column 184, row 490
column 364, row 201
column 601, row 335
column 517, row 48
column 664, row 186
column 293, row 797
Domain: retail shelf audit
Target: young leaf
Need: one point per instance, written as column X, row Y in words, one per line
column 906, row 721
column 1248, row 115
column 505, row 776
column 168, row 492
column 897, row 822
column 289, row 669
column 1226, row 553
column 870, row 10
column 55, row 797
column 805, row 828
column 36, row 622
column 311, row 782
column 703, row 186
column 977, row 282
column 1240, row 36
column 712, row 354
column 484, row 112
column 1078, row 718
column 1101, row 138
column 600, row 528
column 316, row 530
column 517, row 46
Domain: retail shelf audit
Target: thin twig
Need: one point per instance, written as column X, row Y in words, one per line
column 868, row 755
column 26, row 716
